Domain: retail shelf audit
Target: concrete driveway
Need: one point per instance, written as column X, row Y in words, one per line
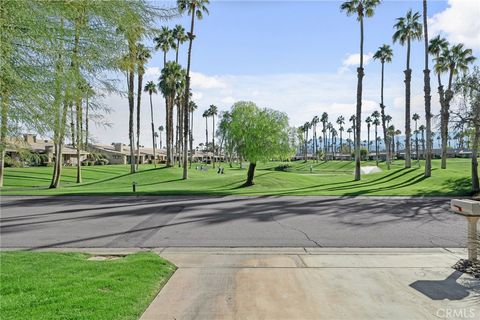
column 318, row 283
column 149, row 222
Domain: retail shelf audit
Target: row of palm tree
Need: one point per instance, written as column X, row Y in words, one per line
column 174, row 84
column 448, row 59
column 212, row 111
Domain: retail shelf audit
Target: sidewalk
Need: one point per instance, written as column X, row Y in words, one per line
column 315, row 283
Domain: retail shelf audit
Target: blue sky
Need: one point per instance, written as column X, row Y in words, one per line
column 298, row 57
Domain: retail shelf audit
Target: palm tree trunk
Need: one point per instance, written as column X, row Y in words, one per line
column 368, row 139
column 131, row 109
column 187, row 96
column 445, row 117
column 191, row 138
column 358, row 119
column 206, row 131
column 428, row 97
column 139, row 97
column 213, row 139
column 153, row 132
column 408, row 78
column 384, row 126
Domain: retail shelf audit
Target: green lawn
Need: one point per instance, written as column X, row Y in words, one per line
column 331, row 178
column 41, row 285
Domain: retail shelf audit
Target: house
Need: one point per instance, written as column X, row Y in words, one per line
column 118, row 153
column 17, row 147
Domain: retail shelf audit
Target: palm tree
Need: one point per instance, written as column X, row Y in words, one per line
column 422, row 129
column 452, row 60
column 341, row 122
column 354, row 128
column 415, row 118
column 170, row 81
column 160, row 130
column 143, row 54
column 206, row 114
column 334, row 142
column 376, row 123
column 192, row 106
column 384, row 54
column 349, row 131
column 397, row 133
column 368, row 121
column 360, row 8
column 213, row 111
column 313, row 124
column 436, row 47
column 151, row 88
column 329, row 136
column 195, row 8
column 165, row 41
column 428, row 98
column 306, row 127
column 408, row 29
column 180, row 37
column 324, row 120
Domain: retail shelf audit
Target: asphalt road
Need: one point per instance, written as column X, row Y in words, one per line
column 124, row 222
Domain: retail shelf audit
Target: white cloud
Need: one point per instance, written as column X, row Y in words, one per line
column 353, row 60
column 201, row 81
column 300, row 95
column 153, row 72
column 460, row 22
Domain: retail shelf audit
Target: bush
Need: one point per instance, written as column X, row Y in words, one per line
column 283, row 167
column 102, row 162
column 90, row 163
column 49, row 164
column 84, row 163
column 9, row 162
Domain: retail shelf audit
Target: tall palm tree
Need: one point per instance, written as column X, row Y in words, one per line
column 165, row 41
column 408, row 29
column 171, row 80
column 384, row 54
column 160, row 130
column 422, row 129
column 368, row 120
column 314, row 123
column 151, row 88
column 192, row 106
column 143, row 54
column 334, row 142
column 376, row 122
column 452, row 60
column 306, row 127
column 360, row 8
column 324, row 120
column 415, row 118
column 329, row 136
column 213, row 111
column 341, row 122
column 353, row 120
column 180, row 37
column 196, row 8
column 436, row 47
column 206, row 114
column 349, row 131
column 428, row 98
